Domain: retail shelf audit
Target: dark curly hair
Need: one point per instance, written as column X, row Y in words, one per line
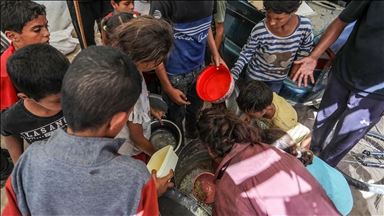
column 220, row 129
column 281, row 6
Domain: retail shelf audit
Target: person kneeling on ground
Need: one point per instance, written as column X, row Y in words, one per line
column 255, row 178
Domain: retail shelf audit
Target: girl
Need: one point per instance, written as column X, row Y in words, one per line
column 119, row 7
column 332, row 181
column 256, row 179
column 147, row 41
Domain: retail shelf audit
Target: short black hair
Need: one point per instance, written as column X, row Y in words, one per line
column 15, row 14
column 37, row 70
column 254, row 96
column 100, row 82
column 281, row 6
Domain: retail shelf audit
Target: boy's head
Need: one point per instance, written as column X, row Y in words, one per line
column 148, row 41
column 37, row 71
column 115, row 21
column 279, row 12
column 24, row 22
column 123, row 5
column 99, row 90
column 254, row 98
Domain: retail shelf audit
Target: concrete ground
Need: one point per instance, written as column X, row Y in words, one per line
column 364, row 203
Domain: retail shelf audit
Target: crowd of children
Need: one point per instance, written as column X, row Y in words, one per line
column 88, row 121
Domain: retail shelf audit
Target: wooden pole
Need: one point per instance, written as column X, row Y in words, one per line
column 80, row 22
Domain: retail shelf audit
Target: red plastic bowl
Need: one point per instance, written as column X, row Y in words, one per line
column 213, row 85
column 206, row 179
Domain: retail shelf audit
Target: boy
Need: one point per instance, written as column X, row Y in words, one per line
column 23, row 23
column 257, row 101
column 274, row 43
column 37, row 71
column 76, row 171
column 191, row 22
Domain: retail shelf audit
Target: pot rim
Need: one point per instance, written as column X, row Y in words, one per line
column 175, row 126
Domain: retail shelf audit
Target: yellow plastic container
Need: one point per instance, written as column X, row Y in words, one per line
column 162, row 161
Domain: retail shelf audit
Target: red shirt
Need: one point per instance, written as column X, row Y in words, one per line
column 8, row 91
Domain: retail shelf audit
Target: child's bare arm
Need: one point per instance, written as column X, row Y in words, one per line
column 216, row 58
column 15, row 147
column 137, row 136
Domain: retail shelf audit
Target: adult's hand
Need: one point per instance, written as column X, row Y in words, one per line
column 307, row 66
column 162, row 184
column 178, row 96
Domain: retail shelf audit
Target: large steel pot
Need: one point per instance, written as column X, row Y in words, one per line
column 176, row 202
column 193, row 159
column 166, row 134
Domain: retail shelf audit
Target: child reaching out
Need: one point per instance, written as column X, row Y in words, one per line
column 119, row 7
column 147, row 41
column 76, row 171
column 274, row 43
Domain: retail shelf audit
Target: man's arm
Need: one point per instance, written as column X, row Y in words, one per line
column 15, row 147
column 308, row 64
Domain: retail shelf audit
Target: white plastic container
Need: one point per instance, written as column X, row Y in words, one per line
column 162, row 161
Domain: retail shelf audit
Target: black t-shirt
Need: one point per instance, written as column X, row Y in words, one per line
column 359, row 65
column 182, row 11
column 18, row 121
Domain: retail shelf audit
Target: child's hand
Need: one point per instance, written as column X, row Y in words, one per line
column 157, row 114
column 162, row 184
column 178, row 97
column 217, row 60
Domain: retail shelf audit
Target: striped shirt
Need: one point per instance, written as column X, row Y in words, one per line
column 270, row 57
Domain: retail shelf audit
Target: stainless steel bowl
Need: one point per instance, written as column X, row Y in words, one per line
column 157, row 102
column 231, row 103
column 167, row 134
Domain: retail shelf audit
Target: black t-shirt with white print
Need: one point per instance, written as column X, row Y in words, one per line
column 18, row 121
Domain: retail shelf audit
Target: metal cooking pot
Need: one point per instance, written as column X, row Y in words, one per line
column 175, row 202
column 193, row 157
column 157, row 102
column 231, row 103
column 166, row 134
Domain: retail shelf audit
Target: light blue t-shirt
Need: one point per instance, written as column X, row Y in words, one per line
column 334, row 184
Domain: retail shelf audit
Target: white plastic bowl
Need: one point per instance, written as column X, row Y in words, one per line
column 162, row 161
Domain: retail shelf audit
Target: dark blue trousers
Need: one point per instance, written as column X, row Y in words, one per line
column 354, row 115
